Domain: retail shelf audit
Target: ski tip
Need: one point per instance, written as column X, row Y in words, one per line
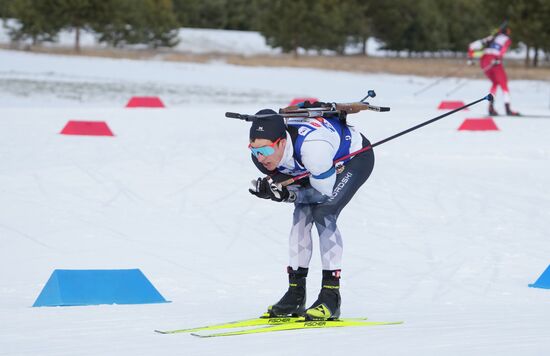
column 160, row 332
column 395, row 322
column 201, row 336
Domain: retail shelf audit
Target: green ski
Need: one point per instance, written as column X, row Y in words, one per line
column 315, row 324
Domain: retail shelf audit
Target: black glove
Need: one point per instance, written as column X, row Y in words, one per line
column 496, row 62
column 265, row 188
column 260, row 188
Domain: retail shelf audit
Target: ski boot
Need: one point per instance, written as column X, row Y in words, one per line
column 510, row 112
column 294, row 300
column 327, row 306
column 492, row 111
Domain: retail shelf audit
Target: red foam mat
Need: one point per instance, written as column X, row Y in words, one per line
column 484, row 124
column 145, row 102
column 450, row 105
column 87, row 128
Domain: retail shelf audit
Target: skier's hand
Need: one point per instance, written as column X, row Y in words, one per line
column 260, row 188
column 280, row 193
column 267, row 189
column 496, row 62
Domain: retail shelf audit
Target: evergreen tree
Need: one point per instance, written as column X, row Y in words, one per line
column 79, row 15
column 287, row 24
column 357, row 21
column 422, row 26
column 391, row 19
column 34, row 21
column 158, row 25
column 5, row 12
column 243, row 14
column 409, row 26
column 529, row 24
column 222, row 14
column 528, row 21
column 149, row 22
column 201, row 13
column 330, row 31
column 428, row 33
column 465, row 22
column 119, row 28
column 306, row 24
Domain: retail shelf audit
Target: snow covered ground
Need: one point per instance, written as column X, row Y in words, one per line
column 445, row 235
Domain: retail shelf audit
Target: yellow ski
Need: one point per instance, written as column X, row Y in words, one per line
column 261, row 321
column 316, row 324
column 238, row 324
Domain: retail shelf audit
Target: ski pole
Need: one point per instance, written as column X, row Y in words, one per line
column 489, row 97
column 457, row 87
column 463, row 83
column 448, row 75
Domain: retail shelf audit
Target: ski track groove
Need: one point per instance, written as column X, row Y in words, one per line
column 26, row 236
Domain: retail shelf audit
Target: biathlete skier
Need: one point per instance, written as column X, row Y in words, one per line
column 491, row 49
column 282, row 150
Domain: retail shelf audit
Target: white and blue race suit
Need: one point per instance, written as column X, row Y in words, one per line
column 312, row 145
column 317, row 143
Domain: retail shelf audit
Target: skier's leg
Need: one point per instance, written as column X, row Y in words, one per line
column 488, row 70
column 502, row 79
column 492, row 111
column 300, row 250
column 300, row 244
column 494, row 86
column 325, row 216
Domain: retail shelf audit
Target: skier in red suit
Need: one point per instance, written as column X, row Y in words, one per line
column 491, row 50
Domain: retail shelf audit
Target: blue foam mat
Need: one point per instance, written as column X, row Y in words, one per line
column 92, row 287
column 543, row 281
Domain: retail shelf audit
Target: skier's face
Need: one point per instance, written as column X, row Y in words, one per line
column 269, row 153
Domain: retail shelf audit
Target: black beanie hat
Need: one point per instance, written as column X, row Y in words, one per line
column 269, row 127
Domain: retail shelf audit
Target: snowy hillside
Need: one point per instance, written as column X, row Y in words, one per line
column 445, row 235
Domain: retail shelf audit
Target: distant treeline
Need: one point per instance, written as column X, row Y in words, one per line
column 413, row 27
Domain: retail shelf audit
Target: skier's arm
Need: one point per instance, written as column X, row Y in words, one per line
column 476, row 45
column 475, row 50
column 505, row 47
column 317, row 157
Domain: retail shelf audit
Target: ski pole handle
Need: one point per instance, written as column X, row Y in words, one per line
column 234, row 115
